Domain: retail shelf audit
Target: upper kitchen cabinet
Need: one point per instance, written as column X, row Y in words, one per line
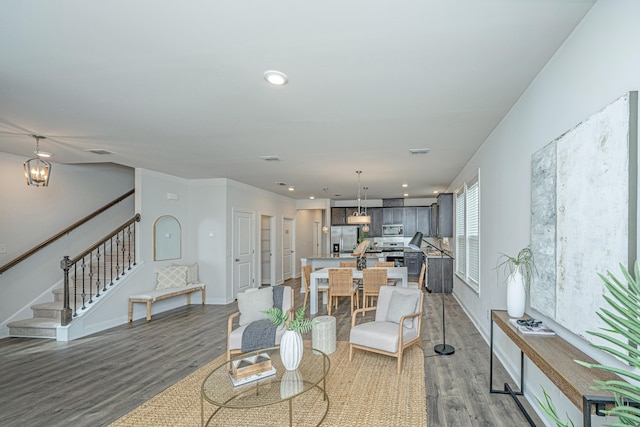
column 392, row 215
column 410, row 221
column 375, row 228
column 444, row 220
column 424, row 220
column 338, row 216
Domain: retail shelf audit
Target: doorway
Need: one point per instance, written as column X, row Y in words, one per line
column 267, row 248
column 288, row 249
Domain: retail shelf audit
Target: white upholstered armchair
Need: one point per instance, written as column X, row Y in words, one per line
column 253, row 330
column 396, row 325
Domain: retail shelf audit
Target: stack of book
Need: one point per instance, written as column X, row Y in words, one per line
column 250, row 369
column 531, row 327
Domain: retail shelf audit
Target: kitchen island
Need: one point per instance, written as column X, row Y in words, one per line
column 333, row 260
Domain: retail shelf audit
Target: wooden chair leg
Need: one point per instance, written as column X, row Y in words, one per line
column 130, row 311
column 204, row 297
column 306, row 297
column 149, row 311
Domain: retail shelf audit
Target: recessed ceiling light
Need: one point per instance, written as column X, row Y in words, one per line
column 276, row 78
column 291, row 189
column 312, row 197
column 270, row 158
column 406, row 194
column 419, row 150
column 435, row 191
column 405, row 185
column 43, row 154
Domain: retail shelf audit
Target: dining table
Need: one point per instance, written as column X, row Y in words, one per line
column 323, row 273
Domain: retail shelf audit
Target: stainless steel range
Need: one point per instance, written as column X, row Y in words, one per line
column 394, row 251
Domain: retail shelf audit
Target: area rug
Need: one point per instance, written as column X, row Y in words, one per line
column 364, row 392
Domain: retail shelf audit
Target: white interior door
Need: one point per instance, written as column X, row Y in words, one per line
column 287, row 249
column 317, row 233
column 243, row 253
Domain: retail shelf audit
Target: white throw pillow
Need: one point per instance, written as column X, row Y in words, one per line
column 172, row 277
column 192, row 273
column 252, row 303
column 401, row 305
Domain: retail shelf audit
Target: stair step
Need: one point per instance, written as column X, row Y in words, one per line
column 48, row 310
column 35, row 327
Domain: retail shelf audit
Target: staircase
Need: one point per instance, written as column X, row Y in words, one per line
column 94, row 272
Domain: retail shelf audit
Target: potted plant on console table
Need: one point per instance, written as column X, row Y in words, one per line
column 291, row 346
column 519, row 271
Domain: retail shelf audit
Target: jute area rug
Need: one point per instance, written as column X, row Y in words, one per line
column 364, row 392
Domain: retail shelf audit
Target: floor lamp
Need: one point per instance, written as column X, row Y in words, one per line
column 443, row 349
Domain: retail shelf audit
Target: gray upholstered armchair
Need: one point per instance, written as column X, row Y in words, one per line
column 396, row 325
column 253, row 330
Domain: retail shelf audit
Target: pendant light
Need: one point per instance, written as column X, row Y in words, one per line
column 365, row 228
column 37, row 171
column 358, row 217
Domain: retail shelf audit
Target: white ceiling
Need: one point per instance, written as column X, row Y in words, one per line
column 177, row 86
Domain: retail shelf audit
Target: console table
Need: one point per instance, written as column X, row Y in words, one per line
column 555, row 358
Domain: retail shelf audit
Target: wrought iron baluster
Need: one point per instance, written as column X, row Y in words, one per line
column 98, row 272
column 104, row 267
column 117, row 257
column 123, row 250
column 75, row 289
column 129, row 246
column 84, row 293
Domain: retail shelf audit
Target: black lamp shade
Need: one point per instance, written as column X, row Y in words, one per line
column 416, row 241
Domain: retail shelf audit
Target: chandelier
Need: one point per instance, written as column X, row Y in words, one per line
column 358, row 217
column 37, row 171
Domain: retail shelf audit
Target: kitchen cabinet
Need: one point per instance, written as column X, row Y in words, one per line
column 410, row 221
column 437, row 268
column 392, row 215
column 413, row 262
column 433, row 231
column 375, row 228
column 338, row 216
column 445, row 215
column 424, row 220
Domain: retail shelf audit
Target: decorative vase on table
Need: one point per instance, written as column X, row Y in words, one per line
column 516, row 294
column 291, row 348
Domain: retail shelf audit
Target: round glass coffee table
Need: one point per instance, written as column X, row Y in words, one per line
column 284, row 386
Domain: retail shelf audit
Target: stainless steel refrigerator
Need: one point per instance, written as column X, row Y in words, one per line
column 345, row 236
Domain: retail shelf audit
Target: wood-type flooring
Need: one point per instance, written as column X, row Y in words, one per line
column 95, row 380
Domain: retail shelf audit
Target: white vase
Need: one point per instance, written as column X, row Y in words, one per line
column 291, row 384
column 291, row 350
column 516, row 295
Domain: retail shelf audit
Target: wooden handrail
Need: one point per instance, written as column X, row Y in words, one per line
column 64, row 232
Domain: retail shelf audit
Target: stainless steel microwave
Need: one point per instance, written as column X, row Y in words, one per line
column 392, row 230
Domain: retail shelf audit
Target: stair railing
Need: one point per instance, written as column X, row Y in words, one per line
column 106, row 261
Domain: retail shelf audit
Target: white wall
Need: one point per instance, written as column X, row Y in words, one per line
column 596, row 65
column 305, row 219
column 30, row 215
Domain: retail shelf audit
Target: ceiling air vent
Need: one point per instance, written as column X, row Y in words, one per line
column 419, row 150
column 270, row 158
column 99, row 151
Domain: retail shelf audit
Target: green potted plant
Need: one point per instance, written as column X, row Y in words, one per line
column 291, row 346
column 519, row 271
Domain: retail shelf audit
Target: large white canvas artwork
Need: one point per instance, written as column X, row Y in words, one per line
column 594, row 199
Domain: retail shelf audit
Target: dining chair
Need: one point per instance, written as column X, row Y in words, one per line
column 390, row 282
column 420, row 283
column 352, row 264
column 372, row 279
column 341, row 285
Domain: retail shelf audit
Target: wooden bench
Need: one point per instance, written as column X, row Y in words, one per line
column 160, row 294
column 555, row 357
